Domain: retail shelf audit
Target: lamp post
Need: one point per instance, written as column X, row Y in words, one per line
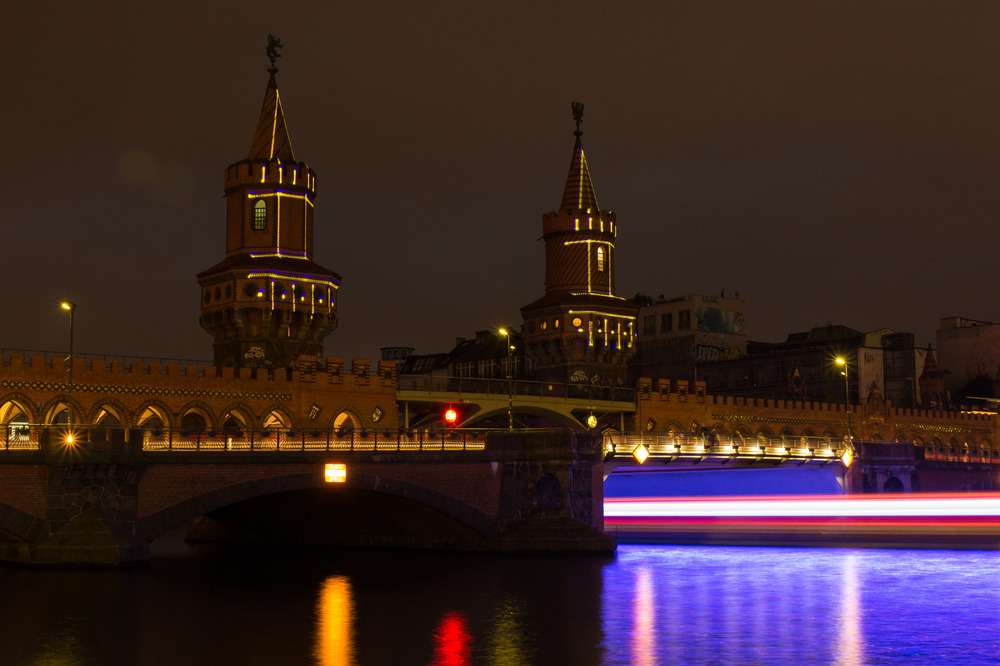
column 847, row 400
column 510, row 381
column 71, row 306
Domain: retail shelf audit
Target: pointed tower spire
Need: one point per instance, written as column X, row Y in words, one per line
column 268, row 302
column 579, row 193
column 581, row 330
column 270, row 140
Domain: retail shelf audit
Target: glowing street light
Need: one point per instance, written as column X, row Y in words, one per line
column 847, row 399
column 71, row 306
column 510, row 380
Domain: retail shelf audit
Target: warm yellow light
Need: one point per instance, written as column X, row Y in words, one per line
column 336, row 473
column 69, row 439
column 503, row 331
column 847, row 458
column 841, row 361
column 68, row 305
column 591, row 421
column 640, row 453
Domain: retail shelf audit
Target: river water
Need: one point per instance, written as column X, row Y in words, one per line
column 646, row 605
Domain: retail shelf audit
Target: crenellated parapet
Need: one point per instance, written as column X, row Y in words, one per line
column 664, row 405
column 271, row 173
column 323, row 393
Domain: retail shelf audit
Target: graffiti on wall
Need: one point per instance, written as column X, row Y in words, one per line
column 714, row 320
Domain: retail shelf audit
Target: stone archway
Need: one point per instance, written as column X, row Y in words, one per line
column 893, row 485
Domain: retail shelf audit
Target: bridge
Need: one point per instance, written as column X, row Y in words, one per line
column 102, row 498
column 480, row 400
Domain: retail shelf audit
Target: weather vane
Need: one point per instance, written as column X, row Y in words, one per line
column 578, row 116
column 273, row 44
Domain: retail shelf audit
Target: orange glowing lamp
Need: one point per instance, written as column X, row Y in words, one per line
column 336, row 473
column 450, row 416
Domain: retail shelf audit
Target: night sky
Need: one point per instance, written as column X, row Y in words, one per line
column 829, row 161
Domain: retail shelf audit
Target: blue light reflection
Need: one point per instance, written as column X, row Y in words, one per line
column 742, row 605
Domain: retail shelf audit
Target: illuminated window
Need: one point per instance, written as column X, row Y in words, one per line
column 600, row 259
column 260, row 215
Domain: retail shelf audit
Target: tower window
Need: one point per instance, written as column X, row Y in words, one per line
column 600, row 259
column 260, row 215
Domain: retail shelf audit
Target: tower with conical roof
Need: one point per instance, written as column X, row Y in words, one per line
column 268, row 301
column 580, row 332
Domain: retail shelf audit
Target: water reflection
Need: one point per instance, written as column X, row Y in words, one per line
column 506, row 645
column 851, row 650
column 648, row 605
column 335, row 623
column 644, row 629
column 452, row 641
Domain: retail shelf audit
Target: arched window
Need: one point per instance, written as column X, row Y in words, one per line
column 260, row 215
column 600, row 259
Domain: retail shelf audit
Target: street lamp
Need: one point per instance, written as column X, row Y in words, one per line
column 510, row 381
column 71, row 306
column 847, row 400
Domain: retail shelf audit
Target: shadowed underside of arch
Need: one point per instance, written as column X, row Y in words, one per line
column 182, row 513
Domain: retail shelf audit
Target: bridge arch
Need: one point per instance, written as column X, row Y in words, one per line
column 277, row 416
column 187, row 510
column 195, row 410
column 112, row 407
column 55, row 410
column 237, row 414
column 14, row 406
column 154, row 414
column 345, row 419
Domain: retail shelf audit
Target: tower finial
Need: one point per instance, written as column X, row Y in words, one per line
column 273, row 44
column 578, row 116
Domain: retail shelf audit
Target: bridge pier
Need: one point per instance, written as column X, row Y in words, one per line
column 552, row 493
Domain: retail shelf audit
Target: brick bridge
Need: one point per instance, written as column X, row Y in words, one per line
column 103, row 500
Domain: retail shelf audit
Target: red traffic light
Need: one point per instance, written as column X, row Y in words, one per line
column 450, row 416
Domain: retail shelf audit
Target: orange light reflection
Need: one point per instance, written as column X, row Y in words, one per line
column 335, row 623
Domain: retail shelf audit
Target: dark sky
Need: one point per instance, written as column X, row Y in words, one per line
column 830, row 161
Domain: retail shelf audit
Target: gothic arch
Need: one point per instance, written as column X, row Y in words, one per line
column 277, row 416
column 673, row 427
column 346, row 417
column 56, row 406
column 14, row 403
column 239, row 413
column 200, row 409
column 116, row 408
column 151, row 409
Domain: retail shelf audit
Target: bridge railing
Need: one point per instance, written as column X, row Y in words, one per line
column 621, row 445
column 33, row 438
column 20, row 437
column 280, row 439
column 502, row 386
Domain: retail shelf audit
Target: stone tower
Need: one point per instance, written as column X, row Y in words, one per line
column 267, row 301
column 580, row 332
